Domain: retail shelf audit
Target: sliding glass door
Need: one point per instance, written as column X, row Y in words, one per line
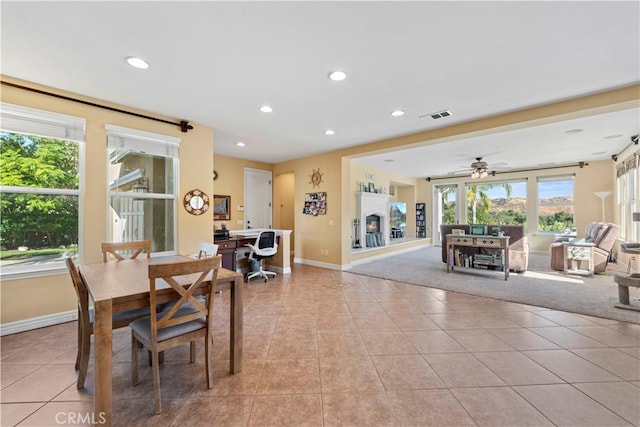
column 445, row 208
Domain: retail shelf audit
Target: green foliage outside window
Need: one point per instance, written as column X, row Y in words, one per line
column 36, row 219
column 558, row 221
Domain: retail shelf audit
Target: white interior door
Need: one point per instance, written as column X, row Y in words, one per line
column 258, row 198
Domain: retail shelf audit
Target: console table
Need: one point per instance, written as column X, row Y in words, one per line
column 501, row 243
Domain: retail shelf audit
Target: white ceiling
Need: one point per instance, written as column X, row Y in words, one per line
column 216, row 63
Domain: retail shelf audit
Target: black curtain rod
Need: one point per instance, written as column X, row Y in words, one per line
column 634, row 141
column 183, row 124
column 494, row 173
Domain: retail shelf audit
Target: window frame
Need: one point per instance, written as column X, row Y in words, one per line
column 525, row 181
column 23, row 120
column 147, row 143
column 554, row 178
column 627, row 198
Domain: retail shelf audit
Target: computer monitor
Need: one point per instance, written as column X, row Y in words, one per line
column 477, row 230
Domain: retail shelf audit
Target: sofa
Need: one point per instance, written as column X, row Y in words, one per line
column 602, row 234
column 518, row 244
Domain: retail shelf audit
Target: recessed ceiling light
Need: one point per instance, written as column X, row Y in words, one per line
column 397, row 113
column 266, row 109
column 571, row 131
column 240, row 144
column 337, row 76
column 137, row 62
column 329, row 132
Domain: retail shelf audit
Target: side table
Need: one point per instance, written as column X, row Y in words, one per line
column 576, row 253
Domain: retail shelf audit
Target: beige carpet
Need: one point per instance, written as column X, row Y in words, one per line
column 538, row 286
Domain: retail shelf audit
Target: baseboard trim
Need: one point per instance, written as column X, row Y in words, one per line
column 38, row 322
column 385, row 255
column 279, row 270
column 346, row 267
column 318, row 264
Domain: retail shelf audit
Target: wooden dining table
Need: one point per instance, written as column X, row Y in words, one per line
column 124, row 285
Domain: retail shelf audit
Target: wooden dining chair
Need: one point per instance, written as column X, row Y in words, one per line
column 187, row 319
column 85, row 321
column 207, row 249
column 125, row 250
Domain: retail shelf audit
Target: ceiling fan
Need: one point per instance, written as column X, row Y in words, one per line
column 481, row 169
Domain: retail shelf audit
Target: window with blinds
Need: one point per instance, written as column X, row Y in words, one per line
column 40, row 181
column 143, row 171
column 628, row 199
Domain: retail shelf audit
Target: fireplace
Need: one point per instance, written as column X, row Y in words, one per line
column 373, row 213
column 373, row 224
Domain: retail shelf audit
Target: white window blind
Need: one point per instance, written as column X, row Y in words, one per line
column 555, row 178
column 29, row 121
column 142, row 142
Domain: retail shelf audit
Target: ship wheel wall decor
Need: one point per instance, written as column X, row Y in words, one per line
column 316, row 178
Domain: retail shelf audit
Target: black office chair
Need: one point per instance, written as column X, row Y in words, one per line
column 264, row 247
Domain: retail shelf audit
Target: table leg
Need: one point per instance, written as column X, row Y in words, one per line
column 506, row 263
column 623, row 294
column 235, row 346
column 102, row 330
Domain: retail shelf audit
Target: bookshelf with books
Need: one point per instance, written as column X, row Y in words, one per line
column 421, row 218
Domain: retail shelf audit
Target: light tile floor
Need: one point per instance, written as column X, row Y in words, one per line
column 328, row 348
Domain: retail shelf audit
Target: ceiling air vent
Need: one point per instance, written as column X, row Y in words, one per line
column 437, row 115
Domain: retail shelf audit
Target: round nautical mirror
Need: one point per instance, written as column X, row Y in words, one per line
column 196, row 202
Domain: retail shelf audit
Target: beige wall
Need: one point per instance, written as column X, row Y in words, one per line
column 284, row 204
column 405, row 190
column 230, row 182
column 26, row 298
column 595, row 176
column 314, row 233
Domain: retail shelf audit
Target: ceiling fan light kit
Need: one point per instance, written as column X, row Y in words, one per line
column 479, row 173
column 480, row 169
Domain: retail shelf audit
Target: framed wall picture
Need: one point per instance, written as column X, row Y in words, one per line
column 221, row 207
column 372, row 187
column 315, row 204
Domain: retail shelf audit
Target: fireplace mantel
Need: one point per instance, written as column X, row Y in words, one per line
column 373, row 204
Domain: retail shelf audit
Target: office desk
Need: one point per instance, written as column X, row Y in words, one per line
column 124, row 285
column 228, row 249
column 281, row 261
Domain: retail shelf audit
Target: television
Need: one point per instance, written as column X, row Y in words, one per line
column 397, row 215
column 477, row 230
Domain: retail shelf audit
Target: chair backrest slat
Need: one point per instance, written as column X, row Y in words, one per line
column 187, row 279
column 116, row 249
column 207, row 249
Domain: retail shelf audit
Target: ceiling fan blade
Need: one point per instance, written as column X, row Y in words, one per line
column 498, row 165
column 461, row 172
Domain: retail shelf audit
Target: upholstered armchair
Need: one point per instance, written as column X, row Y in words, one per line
column 602, row 235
